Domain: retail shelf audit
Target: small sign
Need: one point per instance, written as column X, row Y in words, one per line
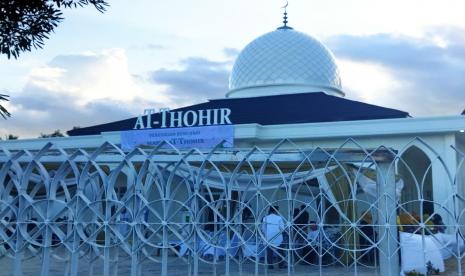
column 181, row 138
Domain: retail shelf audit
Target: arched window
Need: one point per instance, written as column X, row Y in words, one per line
column 415, row 169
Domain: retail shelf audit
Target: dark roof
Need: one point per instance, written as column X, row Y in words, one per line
column 274, row 110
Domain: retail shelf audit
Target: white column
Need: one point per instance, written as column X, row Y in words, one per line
column 443, row 182
column 387, row 220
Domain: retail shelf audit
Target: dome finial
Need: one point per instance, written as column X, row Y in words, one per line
column 285, row 17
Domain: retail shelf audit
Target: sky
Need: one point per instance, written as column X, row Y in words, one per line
column 97, row 68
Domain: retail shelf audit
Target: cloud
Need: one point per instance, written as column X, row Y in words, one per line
column 79, row 90
column 427, row 73
column 424, row 76
column 93, row 88
column 198, row 80
column 48, row 112
column 153, row 46
column 231, row 52
column 148, row 47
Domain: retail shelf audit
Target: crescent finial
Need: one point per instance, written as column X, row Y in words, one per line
column 285, row 14
column 285, row 6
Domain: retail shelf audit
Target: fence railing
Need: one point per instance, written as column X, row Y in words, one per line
column 230, row 211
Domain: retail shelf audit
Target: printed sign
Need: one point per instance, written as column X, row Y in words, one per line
column 181, row 138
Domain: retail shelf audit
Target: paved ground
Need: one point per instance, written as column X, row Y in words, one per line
column 177, row 266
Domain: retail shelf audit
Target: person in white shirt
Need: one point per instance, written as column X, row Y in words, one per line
column 312, row 236
column 311, row 250
column 273, row 227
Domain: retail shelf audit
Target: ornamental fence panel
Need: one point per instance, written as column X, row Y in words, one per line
column 287, row 210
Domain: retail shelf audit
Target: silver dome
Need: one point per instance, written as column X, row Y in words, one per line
column 284, row 62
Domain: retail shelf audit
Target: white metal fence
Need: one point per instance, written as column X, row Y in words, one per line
column 164, row 211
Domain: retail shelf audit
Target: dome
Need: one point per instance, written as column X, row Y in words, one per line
column 284, row 61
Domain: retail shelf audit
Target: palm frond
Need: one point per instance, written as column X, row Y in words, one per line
column 3, row 112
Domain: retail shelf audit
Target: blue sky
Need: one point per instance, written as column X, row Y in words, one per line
column 97, row 68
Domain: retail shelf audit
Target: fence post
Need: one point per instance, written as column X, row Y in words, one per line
column 17, row 267
column 387, row 219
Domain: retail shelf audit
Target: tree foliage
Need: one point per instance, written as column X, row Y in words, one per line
column 56, row 133
column 25, row 24
column 3, row 112
column 11, row 137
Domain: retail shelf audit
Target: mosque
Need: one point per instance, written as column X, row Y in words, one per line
column 286, row 85
column 285, row 89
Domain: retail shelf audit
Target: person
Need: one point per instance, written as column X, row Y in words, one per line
column 439, row 226
column 311, row 251
column 273, row 227
column 302, row 221
column 312, row 236
column 246, row 213
column 296, row 213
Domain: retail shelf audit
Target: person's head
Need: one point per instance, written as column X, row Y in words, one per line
column 296, row 211
column 313, row 225
column 437, row 218
column 273, row 210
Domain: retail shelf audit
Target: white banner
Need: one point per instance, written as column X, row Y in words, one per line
column 181, row 138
